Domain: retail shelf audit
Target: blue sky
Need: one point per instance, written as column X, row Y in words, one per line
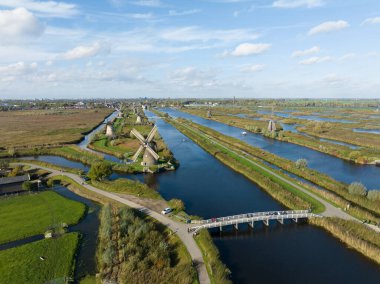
column 190, row 48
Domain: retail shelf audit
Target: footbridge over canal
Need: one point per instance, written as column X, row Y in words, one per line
column 250, row 219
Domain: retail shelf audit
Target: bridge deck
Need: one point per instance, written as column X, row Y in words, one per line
column 250, row 218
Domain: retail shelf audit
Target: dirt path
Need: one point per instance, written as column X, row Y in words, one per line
column 178, row 228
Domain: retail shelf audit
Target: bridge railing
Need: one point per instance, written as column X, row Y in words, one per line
column 249, row 215
column 299, row 214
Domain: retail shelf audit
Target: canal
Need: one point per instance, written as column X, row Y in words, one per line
column 293, row 253
column 338, row 169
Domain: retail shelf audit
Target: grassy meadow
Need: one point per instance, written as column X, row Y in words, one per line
column 28, row 215
column 23, row 264
column 47, row 127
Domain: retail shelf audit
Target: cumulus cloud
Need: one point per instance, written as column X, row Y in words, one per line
column 310, row 51
column 314, row 60
column 44, row 8
column 85, row 51
column 298, row 3
column 252, row 68
column 19, row 24
column 327, row 27
column 246, row 49
column 371, row 21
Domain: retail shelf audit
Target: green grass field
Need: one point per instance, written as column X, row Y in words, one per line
column 29, row 215
column 23, row 264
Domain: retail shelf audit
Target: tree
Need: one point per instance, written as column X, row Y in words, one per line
column 100, row 171
column 27, row 186
column 301, row 163
column 357, row 188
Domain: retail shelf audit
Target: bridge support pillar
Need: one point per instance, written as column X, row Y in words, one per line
column 266, row 222
column 295, row 220
column 220, row 228
column 236, row 226
column 281, row 221
column 251, row 224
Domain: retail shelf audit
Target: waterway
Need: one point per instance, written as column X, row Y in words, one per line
column 306, row 117
column 293, row 253
column 339, row 169
column 371, row 131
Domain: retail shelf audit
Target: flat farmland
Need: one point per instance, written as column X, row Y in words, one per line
column 47, row 127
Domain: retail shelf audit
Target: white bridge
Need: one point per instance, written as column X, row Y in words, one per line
column 250, row 219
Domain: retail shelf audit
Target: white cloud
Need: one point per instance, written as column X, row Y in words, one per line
column 194, row 33
column 141, row 16
column 193, row 77
column 314, row 60
column 85, row 51
column 184, row 13
column 148, row 3
column 327, row 27
column 310, row 51
column 19, row 68
column 347, row 56
column 371, row 21
column 245, row 49
column 298, row 3
column 252, row 68
column 44, row 8
column 19, row 23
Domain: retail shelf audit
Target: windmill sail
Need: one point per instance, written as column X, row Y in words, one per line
column 151, row 134
column 154, row 154
column 136, row 155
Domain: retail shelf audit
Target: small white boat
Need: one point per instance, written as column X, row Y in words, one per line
column 244, row 133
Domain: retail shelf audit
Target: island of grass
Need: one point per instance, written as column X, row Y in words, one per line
column 33, row 214
column 123, row 144
column 47, row 127
column 41, row 261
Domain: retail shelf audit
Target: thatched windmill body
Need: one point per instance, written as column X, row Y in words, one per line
column 150, row 157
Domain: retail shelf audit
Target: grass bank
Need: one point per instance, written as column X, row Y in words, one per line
column 127, row 186
column 23, row 264
column 28, row 215
column 217, row 270
column 354, row 234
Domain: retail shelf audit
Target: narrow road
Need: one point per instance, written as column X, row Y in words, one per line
column 330, row 210
column 180, row 229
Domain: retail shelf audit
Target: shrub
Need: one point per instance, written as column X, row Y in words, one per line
column 100, row 171
column 357, row 188
column 373, row 195
column 301, row 163
column 27, row 185
column 177, row 205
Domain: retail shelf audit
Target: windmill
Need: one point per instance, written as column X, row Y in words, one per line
column 150, row 156
column 272, row 125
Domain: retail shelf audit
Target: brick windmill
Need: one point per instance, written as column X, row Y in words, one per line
column 150, row 157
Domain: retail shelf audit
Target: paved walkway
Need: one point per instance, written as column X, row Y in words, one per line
column 330, row 210
column 178, row 228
